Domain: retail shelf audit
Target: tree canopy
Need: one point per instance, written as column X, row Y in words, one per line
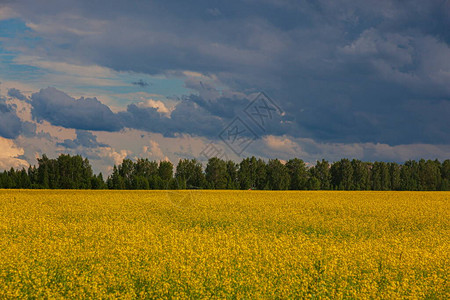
column 75, row 172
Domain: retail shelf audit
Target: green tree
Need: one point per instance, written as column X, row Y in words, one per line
column 361, row 178
column 216, row 173
column 395, row 175
column 145, row 168
column 189, row 174
column 165, row 172
column 87, row 174
column 342, row 175
column 299, row 175
column 429, row 175
column 321, row 171
column 43, row 172
column 313, row 184
column 380, row 177
column 247, row 173
column 140, row 183
column 445, row 173
column 97, row 182
column 232, row 175
column 7, row 181
column 126, row 171
column 260, row 181
column 116, row 181
column 24, row 180
column 33, row 175
column 409, row 176
column 65, row 171
column 277, row 175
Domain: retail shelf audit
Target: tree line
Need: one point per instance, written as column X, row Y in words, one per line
column 75, row 172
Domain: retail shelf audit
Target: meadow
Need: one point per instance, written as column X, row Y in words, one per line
column 224, row 244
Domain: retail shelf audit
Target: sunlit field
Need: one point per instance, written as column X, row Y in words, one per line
column 224, row 244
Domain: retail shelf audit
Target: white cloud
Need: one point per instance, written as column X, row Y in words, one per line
column 64, row 72
column 49, row 28
column 284, row 147
column 116, row 156
column 26, row 88
column 282, row 144
column 159, row 105
column 7, row 13
column 9, row 153
column 153, row 151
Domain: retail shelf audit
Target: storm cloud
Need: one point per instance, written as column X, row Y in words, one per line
column 343, row 71
column 357, row 74
column 15, row 93
column 84, row 139
column 10, row 124
column 60, row 109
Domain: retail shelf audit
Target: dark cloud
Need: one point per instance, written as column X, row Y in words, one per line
column 84, row 139
column 143, row 118
column 343, row 71
column 10, row 124
column 60, row 109
column 187, row 117
column 15, row 93
column 225, row 107
column 29, row 129
column 260, row 119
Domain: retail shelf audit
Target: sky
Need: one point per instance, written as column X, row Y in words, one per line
column 166, row 80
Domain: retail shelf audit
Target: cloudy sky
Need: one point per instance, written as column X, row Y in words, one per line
column 182, row 79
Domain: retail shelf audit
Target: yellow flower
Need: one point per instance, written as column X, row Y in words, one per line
column 224, row 244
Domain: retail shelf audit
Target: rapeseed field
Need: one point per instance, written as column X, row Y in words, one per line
column 224, row 244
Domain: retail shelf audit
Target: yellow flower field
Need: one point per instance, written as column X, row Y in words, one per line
column 224, row 244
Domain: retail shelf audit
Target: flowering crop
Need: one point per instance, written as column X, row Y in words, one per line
column 224, row 244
